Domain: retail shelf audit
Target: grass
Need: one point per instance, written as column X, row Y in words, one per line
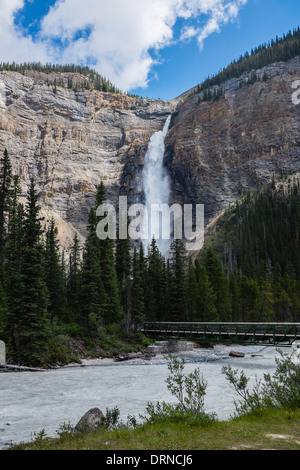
column 272, row 429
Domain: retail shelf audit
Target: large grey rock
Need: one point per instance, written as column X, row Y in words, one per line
column 91, row 421
column 2, row 353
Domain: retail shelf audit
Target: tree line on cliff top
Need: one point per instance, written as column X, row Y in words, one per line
column 107, row 285
column 277, row 50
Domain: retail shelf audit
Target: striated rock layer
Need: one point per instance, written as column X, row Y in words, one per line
column 70, row 140
column 218, row 150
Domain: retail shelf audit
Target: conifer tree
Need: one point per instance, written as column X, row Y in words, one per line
column 112, row 309
column 137, row 291
column 220, row 285
column 178, row 290
column 205, row 298
column 74, row 278
column 54, row 276
column 92, row 295
column 31, row 331
column 154, row 294
column 6, row 180
column 123, row 271
column 12, row 267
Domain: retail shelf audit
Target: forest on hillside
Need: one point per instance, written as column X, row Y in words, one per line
column 277, row 50
column 90, row 78
column 105, row 286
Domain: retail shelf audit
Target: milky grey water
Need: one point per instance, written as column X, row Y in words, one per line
column 32, row 401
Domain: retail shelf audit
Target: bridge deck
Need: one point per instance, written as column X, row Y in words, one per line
column 239, row 333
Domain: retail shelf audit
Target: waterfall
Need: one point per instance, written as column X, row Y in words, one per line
column 156, row 184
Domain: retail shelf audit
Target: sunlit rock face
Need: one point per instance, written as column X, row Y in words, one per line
column 69, row 141
column 218, row 150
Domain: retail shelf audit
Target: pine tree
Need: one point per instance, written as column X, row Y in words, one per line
column 12, row 268
column 6, row 189
column 30, row 325
column 178, row 298
column 220, row 286
column 92, row 295
column 54, row 276
column 205, row 298
column 137, row 291
column 123, row 272
column 74, row 278
column 112, row 309
column 3, row 312
column 154, row 294
column 264, row 310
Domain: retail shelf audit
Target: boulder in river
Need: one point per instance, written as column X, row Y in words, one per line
column 236, row 354
column 91, row 421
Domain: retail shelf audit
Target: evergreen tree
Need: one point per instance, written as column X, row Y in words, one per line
column 92, row 296
column 74, row 278
column 12, row 268
column 264, row 310
column 123, row 272
column 111, row 309
column 137, row 291
column 178, row 299
column 54, row 276
column 154, row 294
column 220, row 285
column 30, row 324
column 205, row 297
column 6, row 181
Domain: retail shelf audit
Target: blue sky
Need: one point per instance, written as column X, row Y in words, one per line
column 157, row 48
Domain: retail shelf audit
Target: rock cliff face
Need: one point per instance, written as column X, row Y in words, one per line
column 218, row 150
column 71, row 140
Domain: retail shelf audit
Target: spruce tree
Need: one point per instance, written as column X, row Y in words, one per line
column 31, row 325
column 12, row 268
column 137, row 291
column 54, row 276
column 92, row 294
column 74, row 278
column 154, row 294
column 220, row 286
column 6, row 181
column 178, row 291
column 112, row 309
column 205, row 297
column 123, row 272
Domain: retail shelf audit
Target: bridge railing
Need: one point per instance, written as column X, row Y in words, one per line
column 254, row 333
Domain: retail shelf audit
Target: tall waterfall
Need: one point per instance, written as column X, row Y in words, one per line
column 156, row 184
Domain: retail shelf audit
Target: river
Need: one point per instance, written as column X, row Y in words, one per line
column 32, row 401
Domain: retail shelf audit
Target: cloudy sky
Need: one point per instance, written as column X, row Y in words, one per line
column 156, row 48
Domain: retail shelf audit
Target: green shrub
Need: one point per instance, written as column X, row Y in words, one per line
column 189, row 390
column 280, row 390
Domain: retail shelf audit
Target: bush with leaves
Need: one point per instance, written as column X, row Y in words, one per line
column 189, row 390
column 281, row 389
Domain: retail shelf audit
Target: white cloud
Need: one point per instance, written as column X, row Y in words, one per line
column 14, row 46
column 122, row 34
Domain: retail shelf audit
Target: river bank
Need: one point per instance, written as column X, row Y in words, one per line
column 35, row 401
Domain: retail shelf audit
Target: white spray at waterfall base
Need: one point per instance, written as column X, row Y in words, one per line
column 156, row 185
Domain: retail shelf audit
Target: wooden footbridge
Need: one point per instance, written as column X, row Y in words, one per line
column 235, row 333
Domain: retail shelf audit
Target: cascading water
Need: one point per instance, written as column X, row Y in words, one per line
column 156, row 185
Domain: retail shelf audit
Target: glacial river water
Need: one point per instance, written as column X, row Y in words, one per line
column 32, row 401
